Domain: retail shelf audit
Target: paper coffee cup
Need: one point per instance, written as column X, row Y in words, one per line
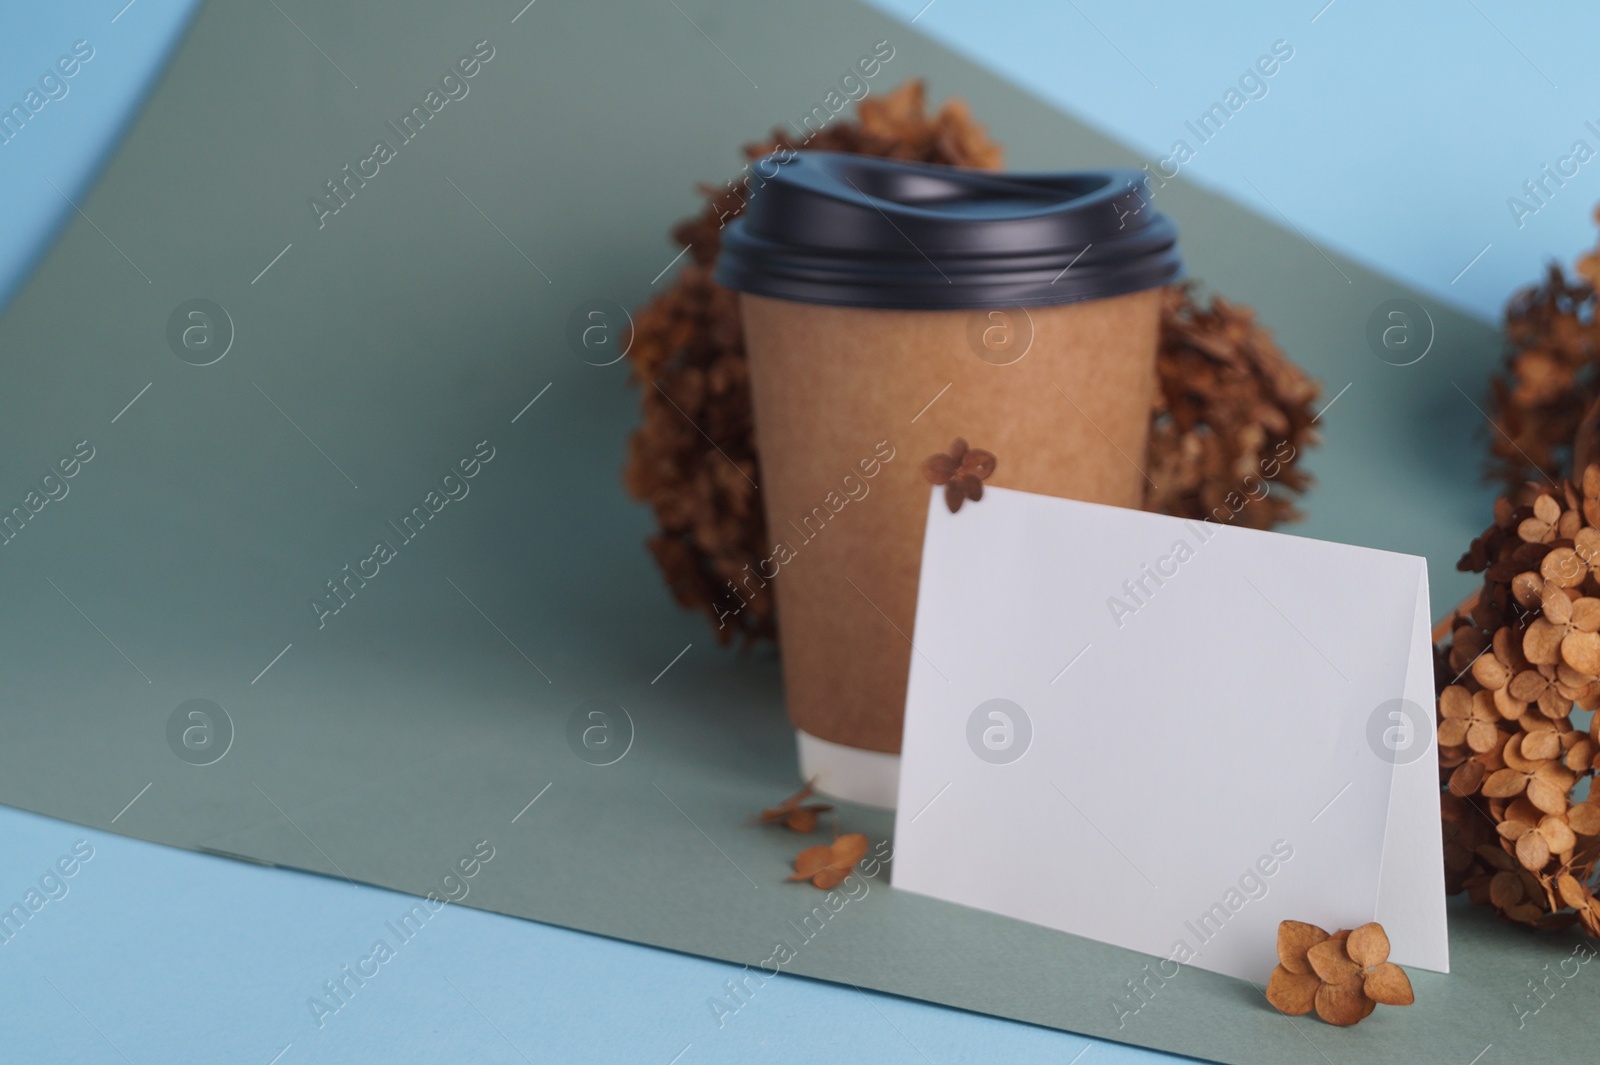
column 888, row 308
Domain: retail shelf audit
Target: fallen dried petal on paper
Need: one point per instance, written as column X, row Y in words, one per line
column 794, row 812
column 827, row 865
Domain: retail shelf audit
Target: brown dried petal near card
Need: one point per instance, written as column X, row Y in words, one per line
column 794, row 812
column 1342, row 976
column 1229, row 404
column 826, row 866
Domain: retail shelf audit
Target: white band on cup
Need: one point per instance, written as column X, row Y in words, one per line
column 870, row 778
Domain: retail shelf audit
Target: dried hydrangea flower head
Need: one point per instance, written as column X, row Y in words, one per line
column 1515, row 663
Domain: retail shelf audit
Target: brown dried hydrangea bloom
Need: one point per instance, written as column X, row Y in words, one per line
column 1551, row 376
column 1230, row 407
column 1518, row 660
column 1342, row 976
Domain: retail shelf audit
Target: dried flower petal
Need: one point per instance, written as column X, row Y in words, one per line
column 1584, row 819
column 1466, row 779
column 1343, row 1003
column 1528, row 685
column 1581, row 651
column 1505, row 783
column 1455, row 702
column 1528, row 589
column 1557, row 834
column 1556, row 606
column 980, row 462
column 1516, row 758
column 1505, row 889
column 1387, row 983
column 1540, row 745
column 1490, row 672
column 1563, row 568
column 954, row 496
column 1542, row 642
column 1292, row 993
column 939, row 468
column 1532, row 851
column 1573, row 893
column 1295, row 938
column 1330, row 961
column 1548, row 787
column 1586, row 544
column 1586, row 614
column 1368, row 945
column 1482, row 736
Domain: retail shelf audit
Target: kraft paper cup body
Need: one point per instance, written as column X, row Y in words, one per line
column 849, row 401
column 888, row 308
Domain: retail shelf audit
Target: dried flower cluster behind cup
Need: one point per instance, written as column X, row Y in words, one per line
column 1521, row 657
column 1230, row 413
column 1342, row 976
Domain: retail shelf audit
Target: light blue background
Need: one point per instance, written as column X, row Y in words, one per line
column 177, row 957
column 1393, row 135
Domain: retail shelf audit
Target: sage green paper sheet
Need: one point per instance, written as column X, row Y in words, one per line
column 375, row 349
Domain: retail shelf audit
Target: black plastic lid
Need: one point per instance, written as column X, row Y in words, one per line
column 867, row 232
